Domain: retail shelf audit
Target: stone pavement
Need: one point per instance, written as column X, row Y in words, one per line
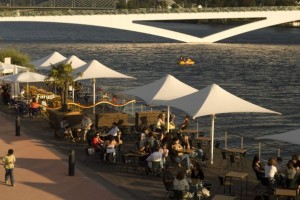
column 42, row 168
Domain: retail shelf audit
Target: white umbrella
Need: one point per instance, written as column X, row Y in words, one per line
column 290, row 136
column 95, row 69
column 74, row 61
column 47, row 61
column 161, row 91
column 214, row 100
column 25, row 77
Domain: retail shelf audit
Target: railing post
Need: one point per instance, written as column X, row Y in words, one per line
column 225, row 140
column 259, row 150
column 242, row 142
column 278, row 152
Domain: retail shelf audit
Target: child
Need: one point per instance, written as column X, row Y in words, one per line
column 9, row 161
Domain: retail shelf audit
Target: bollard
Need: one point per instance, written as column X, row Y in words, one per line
column 18, row 123
column 72, row 162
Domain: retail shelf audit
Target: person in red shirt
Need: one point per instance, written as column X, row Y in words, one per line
column 34, row 107
column 97, row 143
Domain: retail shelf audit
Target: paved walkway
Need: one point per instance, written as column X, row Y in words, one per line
column 41, row 173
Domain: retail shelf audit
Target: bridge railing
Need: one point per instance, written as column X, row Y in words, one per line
column 37, row 11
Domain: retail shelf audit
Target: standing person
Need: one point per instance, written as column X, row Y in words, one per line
column 160, row 123
column 86, row 124
column 185, row 123
column 9, row 161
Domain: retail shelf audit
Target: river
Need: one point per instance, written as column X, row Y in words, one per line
column 262, row 67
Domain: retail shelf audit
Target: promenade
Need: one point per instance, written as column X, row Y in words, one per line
column 41, row 169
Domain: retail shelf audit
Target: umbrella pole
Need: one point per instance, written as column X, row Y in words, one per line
column 212, row 139
column 27, row 91
column 168, row 119
column 94, row 95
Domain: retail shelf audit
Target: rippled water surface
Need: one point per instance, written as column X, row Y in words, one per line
column 262, row 67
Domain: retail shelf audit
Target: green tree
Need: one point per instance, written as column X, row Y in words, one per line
column 17, row 57
column 269, row 2
column 61, row 76
column 248, row 3
column 121, row 4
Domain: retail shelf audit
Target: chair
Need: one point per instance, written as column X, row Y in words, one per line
column 110, row 155
column 168, row 187
column 90, row 155
column 179, row 195
column 224, row 159
column 155, row 170
column 235, row 161
column 126, row 161
column 228, row 186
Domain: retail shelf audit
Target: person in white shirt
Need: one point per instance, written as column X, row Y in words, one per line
column 115, row 132
column 270, row 172
column 86, row 124
column 270, row 168
column 156, row 156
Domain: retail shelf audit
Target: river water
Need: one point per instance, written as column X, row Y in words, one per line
column 262, row 67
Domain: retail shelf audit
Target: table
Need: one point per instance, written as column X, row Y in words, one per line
column 223, row 197
column 285, row 193
column 236, row 151
column 203, row 139
column 238, row 175
column 190, row 132
column 136, row 159
column 187, row 151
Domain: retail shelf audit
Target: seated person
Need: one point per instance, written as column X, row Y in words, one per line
column 97, row 143
column 180, row 183
column 110, row 150
column 178, row 155
column 65, row 129
column 90, row 135
column 151, row 140
column 156, row 156
column 197, row 173
column 165, row 153
column 115, row 132
column 187, row 144
column 258, row 168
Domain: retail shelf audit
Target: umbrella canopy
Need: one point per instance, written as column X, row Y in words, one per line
column 162, row 90
column 74, row 61
column 47, row 61
column 93, row 70
column 9, row 68
column 213, row 100
column 290, row 136
column 25, row 77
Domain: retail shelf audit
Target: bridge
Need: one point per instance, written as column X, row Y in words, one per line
column 129, row 22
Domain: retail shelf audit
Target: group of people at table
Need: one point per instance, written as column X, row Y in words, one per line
column 278, row 174
column 156, row 145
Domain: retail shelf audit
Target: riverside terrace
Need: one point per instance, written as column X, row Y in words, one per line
column 116, row 177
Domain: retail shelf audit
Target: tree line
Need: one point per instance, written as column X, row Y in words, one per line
column 134, row 4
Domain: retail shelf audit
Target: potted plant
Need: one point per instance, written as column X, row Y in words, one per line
column 61, row 76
